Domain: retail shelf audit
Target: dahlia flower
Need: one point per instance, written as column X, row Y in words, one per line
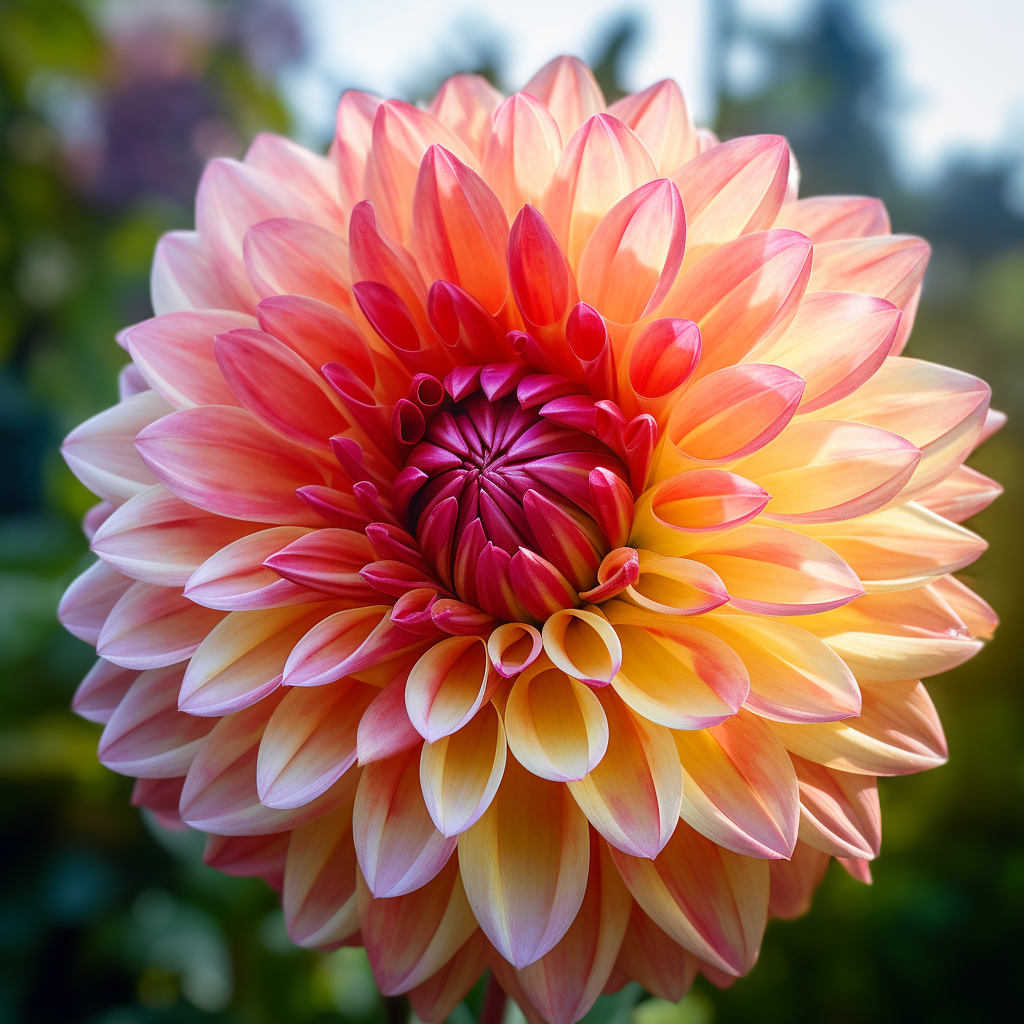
column 521, row 538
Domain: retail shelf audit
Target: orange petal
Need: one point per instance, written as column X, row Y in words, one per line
column 899, row 548
column 567, row 87
column 398, row 847
column 709, row 900
column 658, row 963
column 581, row 643
column 556, row 726
column 409, row 937
column 940, row 410
column 774, row 571
column 466, row 104
column 460, row 774
column 897, row 733
column 834, row 218
column 602, row 163
column 739, row 787
column 674, row 673
column 633, row 796
column 310, row 742
column 836, row 341
column 319, row 894
column 402, row 134
column 661, row 362
column 742, row 295
column 459, row 229
column 839, row 812
column 566, row 981
column 675, row 586
column 794, row 677
column 818, row 471
column 448, row 685
column 634, row 253
column 974, row 611
column 659, row 116
column 731, row 190
column 513, row 647
column 962, row 494
column 525, row 865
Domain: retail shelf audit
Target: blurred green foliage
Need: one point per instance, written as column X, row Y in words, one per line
column 106, row 919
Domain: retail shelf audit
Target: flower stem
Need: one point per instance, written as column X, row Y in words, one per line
column 396, row 1009
column 493, row 1009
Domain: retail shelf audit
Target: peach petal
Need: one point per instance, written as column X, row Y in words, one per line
column 556, row 727
column 661, row 362
column 146, row 735
column 153, row 627
column 897, row 733
column 961, row 495
column 513, row 647
column 839, row 812
column 310, row 742
column 603, row 162
column 565, row 982
column 582, row 644
column 661, row 966
column 675, row 586
column 711, row 901
column 102, row 689
column 397, row 845
column 525, row 865
column 249, row 856
column 299, row 168
column 632, row 797
column 675, row 674
column 794, row 882
column 834, row 218
column 184, row 277
column 467, row 104
column 352, row 139
column 567, row 87
column 89, row 600
column 739, row 787
column 319, row 895
column 385, row 728
column 974, row 611
column 460, row 773
column 522, row 154
column 434, row 1000
column 659, row 117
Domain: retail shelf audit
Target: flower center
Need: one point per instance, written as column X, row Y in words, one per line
column 498, row 498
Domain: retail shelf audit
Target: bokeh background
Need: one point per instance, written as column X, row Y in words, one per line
column 108, row 111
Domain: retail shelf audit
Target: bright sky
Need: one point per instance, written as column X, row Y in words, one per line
column 956, row 64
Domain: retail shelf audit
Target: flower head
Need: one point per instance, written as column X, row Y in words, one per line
column 521, row 538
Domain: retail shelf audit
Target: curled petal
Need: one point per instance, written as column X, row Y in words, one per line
column 602, row 163
column 739, row 787
column 555, row 725
column 582, row 644
column 897, row 733
column 662, row 360
column 460, row 773
column 310, row 742
column 632, row 797
column 613, row 505
column 711, row 901
column 634, row 253
column 675, row 586
column 522, row 153
column 397, row 846
column 674, row 516
column 448, row 685
column 567, row 87
column 512, row 647
column 319, row 893
column 410, row 936
column 676, row 674
column 525, row 865
column 659, row 116
column 619, row 569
